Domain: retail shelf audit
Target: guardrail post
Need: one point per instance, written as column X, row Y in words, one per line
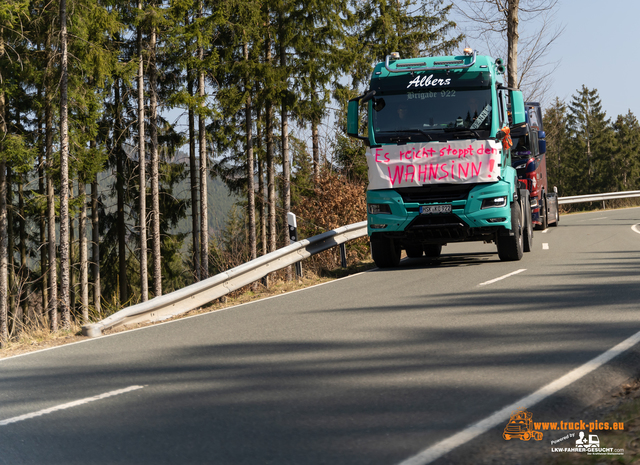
column 343, row 255
column 293, row 237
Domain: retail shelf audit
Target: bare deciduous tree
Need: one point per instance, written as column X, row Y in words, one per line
column 523, row 30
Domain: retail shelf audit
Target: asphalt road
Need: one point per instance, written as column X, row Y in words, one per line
column 371, row 369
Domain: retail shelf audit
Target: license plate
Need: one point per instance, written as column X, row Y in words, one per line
column 430, row 209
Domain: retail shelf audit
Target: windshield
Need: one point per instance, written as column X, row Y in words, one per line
column 525, row 144
column 432, row 115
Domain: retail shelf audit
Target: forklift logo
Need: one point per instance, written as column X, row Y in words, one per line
column 521, row 426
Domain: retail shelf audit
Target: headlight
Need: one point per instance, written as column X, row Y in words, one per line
column 523, row 165
column 378, row 209
column 496, row 202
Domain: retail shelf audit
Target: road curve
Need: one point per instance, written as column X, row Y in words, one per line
column 371, row 369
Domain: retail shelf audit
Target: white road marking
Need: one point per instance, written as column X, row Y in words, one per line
column 502, row 277
column 602, row 218
column 545, row 246
column 545, row 231
column 75, row 403
column 634, row 228
column 502, row 416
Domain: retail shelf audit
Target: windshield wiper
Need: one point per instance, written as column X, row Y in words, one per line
column 461, row 131
column 405, row 134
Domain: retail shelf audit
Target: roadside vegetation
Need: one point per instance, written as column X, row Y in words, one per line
column 622, row 406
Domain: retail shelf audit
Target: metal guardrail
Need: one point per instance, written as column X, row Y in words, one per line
column 597, row 197
column 208, row 290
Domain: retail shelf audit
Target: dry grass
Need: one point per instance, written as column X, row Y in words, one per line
column 39, row 338
column 623, row 406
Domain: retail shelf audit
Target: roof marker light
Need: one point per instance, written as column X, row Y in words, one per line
column 468, row 51
column 395, row 55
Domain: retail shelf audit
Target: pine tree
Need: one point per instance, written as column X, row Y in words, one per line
column 626, row 156
column 12, row 147
column 592, row 136
column 558, row 146
column 409, row 27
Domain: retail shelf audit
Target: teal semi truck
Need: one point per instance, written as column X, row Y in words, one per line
column 439, row 157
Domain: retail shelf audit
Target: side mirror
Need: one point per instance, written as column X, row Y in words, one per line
column 353, row 115
column 353, row 118
column 518, row 112
column 542, row 143
column 542, row 146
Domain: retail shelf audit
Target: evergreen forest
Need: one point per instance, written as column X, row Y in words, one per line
column 587, row 152
column 102, row 186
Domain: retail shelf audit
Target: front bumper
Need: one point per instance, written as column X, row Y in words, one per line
column 467, row 220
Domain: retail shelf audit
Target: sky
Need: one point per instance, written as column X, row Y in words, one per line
column 598, row 49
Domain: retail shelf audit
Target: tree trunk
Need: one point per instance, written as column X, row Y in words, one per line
column 271, row 170
column 193, row 176
column 65, row 309
column 95, row 256
column 43, row 220
column 204, row 213
column 72, row 253
column 84, row 256
column 52, row 306
column 251, row 204
column 286, row 167
column 315, row 143
column 25, row 281
column 4, row 285
column 142, row 160
column 512, row 39
column 261, row 190
column 10, row 243
column 120, row 220
column 155, row 162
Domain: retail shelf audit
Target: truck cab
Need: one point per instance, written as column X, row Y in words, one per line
column 529, row 159
column 439, row 157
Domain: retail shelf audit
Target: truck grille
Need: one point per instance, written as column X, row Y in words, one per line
column 448, row 227
column 435, row 193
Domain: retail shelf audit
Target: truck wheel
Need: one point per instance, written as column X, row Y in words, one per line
column 510, row 248
column 557, row 221
column 414, row 251
column 527, row 221
column 385, row 253
column 433, row 250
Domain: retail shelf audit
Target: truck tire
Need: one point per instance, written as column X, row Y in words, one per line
column 510, row 248
column 527, row 245
column 433, row 250
column 544, row 219
column 557, row 221
column 414, row 251
column 385, row 253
